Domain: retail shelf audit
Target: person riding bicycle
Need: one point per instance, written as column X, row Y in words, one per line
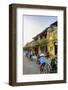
column 42, row 61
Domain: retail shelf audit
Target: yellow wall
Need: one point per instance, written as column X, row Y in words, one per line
column 51, row 49
column 51, row 36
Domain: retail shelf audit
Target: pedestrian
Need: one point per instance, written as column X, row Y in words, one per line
column 31, row 54
column 39, row 53
column 38, row 57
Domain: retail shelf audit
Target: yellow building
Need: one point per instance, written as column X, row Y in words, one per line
column 41, row 42
column 46, row 41
column 52, row 39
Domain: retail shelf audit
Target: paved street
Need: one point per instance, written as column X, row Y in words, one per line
column 30, row 67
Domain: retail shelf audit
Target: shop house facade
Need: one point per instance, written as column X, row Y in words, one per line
column 52, row 39
column 46, row 41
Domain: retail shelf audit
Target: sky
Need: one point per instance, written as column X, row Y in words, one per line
column 33, row 25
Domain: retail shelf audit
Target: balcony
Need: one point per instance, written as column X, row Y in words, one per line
column 41, row 42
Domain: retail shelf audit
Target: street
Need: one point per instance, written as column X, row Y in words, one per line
column 32, row 67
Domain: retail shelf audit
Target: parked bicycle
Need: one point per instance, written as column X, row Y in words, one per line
column 54, row 65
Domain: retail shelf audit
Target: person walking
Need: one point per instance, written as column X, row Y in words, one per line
column 31, row 54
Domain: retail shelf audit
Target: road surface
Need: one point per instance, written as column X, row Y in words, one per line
column 30, row 67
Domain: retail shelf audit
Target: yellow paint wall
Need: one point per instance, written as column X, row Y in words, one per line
column 51, row 36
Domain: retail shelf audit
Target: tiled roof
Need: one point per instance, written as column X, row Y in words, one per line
column 54, row 24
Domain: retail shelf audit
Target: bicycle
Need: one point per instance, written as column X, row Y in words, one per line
column 45, row 68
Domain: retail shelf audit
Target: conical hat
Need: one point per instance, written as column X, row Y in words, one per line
column 42, row 55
